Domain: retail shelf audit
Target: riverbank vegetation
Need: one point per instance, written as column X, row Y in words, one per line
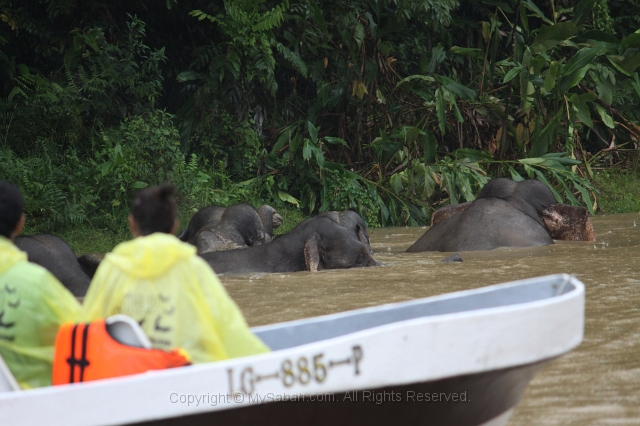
column 388, row 107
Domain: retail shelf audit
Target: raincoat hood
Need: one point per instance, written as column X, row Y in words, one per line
column 10, row 255
column 149, row 256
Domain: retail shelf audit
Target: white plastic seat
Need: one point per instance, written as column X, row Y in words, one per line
column 8, row 383
column 127, row 331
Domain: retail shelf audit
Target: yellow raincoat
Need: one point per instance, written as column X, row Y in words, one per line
column 160, row 282
column 33, row 305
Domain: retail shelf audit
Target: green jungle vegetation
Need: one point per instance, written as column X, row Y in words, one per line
column 391, row 108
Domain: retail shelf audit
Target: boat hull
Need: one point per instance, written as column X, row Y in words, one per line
column 486, row 399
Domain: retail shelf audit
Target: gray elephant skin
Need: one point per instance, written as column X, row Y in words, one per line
column 349, row 220
column 55, row 255
column 317, row 244
column 505, row 214
column 215, row 228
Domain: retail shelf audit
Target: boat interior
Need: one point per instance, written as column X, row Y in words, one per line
column 299, row 332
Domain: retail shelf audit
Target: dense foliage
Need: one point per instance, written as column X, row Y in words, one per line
column 388, row 107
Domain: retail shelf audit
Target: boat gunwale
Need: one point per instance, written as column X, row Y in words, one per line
column 562, row 278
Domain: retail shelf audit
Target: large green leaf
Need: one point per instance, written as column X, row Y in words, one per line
column 529, row 4
column 416, row 77
column 511, row 74
column 582, row 10
column 358, row 34
column 515, row 175
column 551, row 76
column 583, row 58
column 466, row 51
column 396, row 183
column 541, row 143
column 549, row 37
column 473, row 155
column 335, row 141
column 562, row 158
column 606, row 118
column 313, row 132
column 307, row 150
column 317, row 152
column 604, row 86
column 288, row 198
column 631, row 63
column 631, row 41
column 430, row 145
column 571, row 80
column 461, row 91
column 583, row 114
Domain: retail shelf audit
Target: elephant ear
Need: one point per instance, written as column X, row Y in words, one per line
column 261, row 238
column 362, row 237
column 570, row 223
column 313, row 251
column 364, row 240
column 448, row 211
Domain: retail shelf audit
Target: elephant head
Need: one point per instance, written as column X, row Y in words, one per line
column 336, row 252
column 505, row 214
column 270, row 218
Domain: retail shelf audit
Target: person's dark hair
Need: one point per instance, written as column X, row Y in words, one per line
column 11, row 205
column 154, row 209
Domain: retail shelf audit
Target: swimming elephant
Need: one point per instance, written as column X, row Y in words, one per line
column 505, row 214
column 351, row 221
column 210, row 216
column 55, row 255
column 239, row 227
column 318, row 243
column 206, row 217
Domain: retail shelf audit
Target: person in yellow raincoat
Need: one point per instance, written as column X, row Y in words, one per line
column 161, row 283
column 33, row 303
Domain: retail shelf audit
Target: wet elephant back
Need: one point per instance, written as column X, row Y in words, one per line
column 493, row 223
column 56, row 256
column 487, row 224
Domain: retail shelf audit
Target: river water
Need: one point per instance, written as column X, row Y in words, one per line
column 596, row 384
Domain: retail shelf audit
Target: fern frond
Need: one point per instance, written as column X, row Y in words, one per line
column 202, row 15
column 293, row 58
column 270, row 19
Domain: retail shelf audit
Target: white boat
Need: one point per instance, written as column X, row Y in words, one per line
column 458, row 359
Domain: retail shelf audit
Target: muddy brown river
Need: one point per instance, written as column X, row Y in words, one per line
column 596, row 384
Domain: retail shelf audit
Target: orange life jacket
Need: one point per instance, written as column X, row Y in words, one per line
column 85, row 352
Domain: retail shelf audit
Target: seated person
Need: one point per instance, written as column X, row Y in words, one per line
column 161, row 283
column 33, row 303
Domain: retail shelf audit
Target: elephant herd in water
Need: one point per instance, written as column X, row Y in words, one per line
column 240, row 239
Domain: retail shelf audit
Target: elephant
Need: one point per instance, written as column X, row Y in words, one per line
column 210, row 216
column 316, row 244
column 505, row 214
column 206, row 217
column 55, row 255
column 239, row 227
column 271, row 219
column 351, row 221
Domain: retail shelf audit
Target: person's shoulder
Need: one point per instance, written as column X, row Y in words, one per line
column 30, row 270
column 36, row 276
